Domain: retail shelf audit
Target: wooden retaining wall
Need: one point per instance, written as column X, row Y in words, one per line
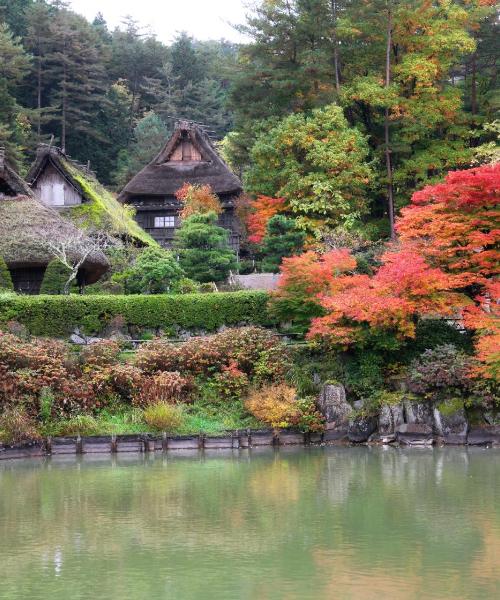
column 157, row 443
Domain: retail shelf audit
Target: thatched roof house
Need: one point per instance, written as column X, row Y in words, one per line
column 187, row 157
column 10, row 182
column 25, row 227
column 63, row 184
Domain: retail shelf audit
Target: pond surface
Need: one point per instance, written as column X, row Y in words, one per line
column 342, row 523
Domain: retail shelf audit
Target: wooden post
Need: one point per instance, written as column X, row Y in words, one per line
column 114, row 445
column 164, row 441
column 201, row 441
column 79, row 444
column 48, row 444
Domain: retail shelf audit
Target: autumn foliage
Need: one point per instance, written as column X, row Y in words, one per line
column 444, row 265
column 262, row 210
column 197, row 199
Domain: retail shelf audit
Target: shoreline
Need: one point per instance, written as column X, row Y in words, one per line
column 235, row 440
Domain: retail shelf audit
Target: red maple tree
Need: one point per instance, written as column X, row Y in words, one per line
column 262, row 210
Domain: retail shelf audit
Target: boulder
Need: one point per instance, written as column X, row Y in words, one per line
column 486, row 435
column 390, row 417
column 414, row 434
column 361, row 428
column 418, row 413
column 333, row 406
column 452, row 427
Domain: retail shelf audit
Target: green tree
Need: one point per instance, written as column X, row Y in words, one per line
column 150, row 134
column 282, row 239
column 5, row 277
column 55, row 278
column 203, row 248
column 317, row 163
column 14, row 65
column 155, row 271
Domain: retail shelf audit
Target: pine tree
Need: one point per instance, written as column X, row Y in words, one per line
column 282, row 239
column 203, row 249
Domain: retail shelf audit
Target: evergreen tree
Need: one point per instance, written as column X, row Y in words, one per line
column 282, row 239
column 14, row 65
column 150, row 134
column 54, row 279
column 5, row 277
column 203, row 248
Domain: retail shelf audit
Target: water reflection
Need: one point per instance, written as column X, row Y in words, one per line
column 335, row 522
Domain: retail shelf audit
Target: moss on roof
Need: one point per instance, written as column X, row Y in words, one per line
column 26, row 224
column 100, row 207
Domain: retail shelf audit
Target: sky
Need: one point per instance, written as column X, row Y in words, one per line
column 202, row 19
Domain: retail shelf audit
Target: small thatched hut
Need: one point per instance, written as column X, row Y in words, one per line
column 187, row 157
column 72, row 189
column 25, row 226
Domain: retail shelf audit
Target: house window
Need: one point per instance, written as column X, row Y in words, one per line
column 164, row 222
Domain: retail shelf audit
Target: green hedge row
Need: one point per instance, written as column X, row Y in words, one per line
column 59, row 315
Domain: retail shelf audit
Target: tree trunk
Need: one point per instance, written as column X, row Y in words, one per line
column 72, row 277
column 473, row 85
column 388, row 157
column 336, row 61
column 39, row 97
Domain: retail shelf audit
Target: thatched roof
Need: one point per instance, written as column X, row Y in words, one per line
column 166, row 173
column 10, row 182
column 99, row 205
column 25, row 226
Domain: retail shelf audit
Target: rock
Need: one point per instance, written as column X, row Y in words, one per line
column 414, row 434
column 361, row 428
column 452, row 427
column 390, row 417
column 486, row 435
column 333, row 405
column 358, row 404
column 419, row 413
column 76, row 338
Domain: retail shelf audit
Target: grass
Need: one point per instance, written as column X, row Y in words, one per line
column 197, row 418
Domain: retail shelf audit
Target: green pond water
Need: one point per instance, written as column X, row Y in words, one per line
column 346, row 523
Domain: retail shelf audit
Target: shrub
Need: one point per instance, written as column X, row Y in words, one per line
column 59, row 315
column 100, row 354
column 5, row 277
column 77, row 425
column 55, row 277
column 16, row 427
column 230, row 384
column 248, row 347
column 441, row 373
column 155, row 271
column 274, row 404
column 163, row 387
column 164, row 417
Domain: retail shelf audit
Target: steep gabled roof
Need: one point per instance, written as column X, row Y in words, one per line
column 100, row 206
column 26, row 224
column 10, row 182
column 173, row 167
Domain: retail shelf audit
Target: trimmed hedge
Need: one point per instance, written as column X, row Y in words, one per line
column 59, row 315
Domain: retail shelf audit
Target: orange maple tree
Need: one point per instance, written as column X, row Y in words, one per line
column 197, row 199
column 446, row 263
column 262, row 210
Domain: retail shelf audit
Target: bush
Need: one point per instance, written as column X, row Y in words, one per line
column 165, row 387
column 249, row 348
column 5, row 277
column 55, row 277
column 164, row 417
column 101, row 354
column 59, row 315
column 441, row 374
column 16, row 427
column 274, row 404
column 155, row 271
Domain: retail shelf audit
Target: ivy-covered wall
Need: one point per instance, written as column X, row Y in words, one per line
column 60, row 315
